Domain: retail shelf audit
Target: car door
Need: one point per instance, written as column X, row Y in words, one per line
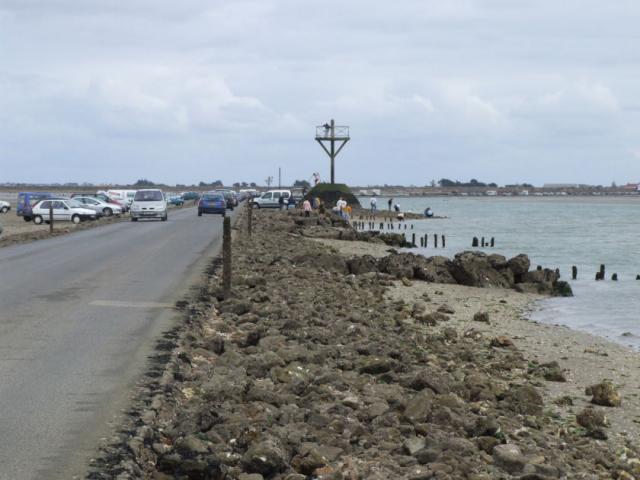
column 61, row 211
column 43, row 209
column 92, row 204
column 276, row 199
column 266, row 199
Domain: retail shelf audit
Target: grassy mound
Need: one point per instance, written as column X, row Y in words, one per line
column 329, row 193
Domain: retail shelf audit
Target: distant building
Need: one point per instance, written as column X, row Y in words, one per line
column 561, row 185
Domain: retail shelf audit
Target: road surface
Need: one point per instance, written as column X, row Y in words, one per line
column 79, row 314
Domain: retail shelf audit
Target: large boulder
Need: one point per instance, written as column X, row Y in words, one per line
column 436, row 270
column 363, row 264
column 400, row 265
column 474, row 269
column 325, row 261
column 519, row 265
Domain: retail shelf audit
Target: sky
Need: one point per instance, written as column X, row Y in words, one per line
column 503, row 91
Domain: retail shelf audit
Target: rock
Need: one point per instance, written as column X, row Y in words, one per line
column 502, row 342
column 326, row 261
column 250, row 476
column 436, row 269
column 266, row 457
column 473, row 269
column 376, row 365
column 484, row 427
column 551, row 371
column 419, row 407
column 590, row 418
column 509, row 458
column 519, row 265
column 414, row 444
column 406, row 282
column 399, row 265
column 481, row 317
column 524, row 399
column 362, row 264
column 562, row 289
column 487, row 444
column 190, row 446
column 604, row 394
column 446, row 309
column 427, row 455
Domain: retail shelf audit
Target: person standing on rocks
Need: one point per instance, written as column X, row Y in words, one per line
column 341, row 204
column 374, row 204
column 306, row 206
column 390, row 202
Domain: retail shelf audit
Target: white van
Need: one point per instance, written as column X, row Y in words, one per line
column 271, row 199
column 149, row 203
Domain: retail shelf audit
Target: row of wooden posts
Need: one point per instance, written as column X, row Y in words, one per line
column 599, row 274
column 482, row 243
column 358, row 225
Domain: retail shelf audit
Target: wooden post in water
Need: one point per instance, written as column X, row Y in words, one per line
column 413, row 239
column 426, row 240
column 444, row 241
column 50, row 217
column 226, row 258
column 614, row 277
column 492, row 242
column 482, row 242
column 574, row 273
column 474, row 242
column 422, row 241
column 435, row 240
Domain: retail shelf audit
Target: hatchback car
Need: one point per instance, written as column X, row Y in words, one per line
column 4, row 206
column 212, row 203
column 99, row 206
column 62, row 210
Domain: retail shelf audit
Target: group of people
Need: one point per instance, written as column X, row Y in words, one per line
column 373, row 202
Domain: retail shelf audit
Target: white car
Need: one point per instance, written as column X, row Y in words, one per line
column 99, row 206
column 271, row 199
column 63, row 210
column 4, row 206
column 149, row 203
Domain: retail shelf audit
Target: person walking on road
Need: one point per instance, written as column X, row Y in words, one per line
column 374, row 204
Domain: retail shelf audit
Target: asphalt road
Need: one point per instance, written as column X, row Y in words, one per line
column 79, row 315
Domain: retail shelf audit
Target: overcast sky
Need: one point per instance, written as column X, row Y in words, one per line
column 182, row 91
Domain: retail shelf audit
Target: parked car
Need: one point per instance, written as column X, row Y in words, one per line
column 176, row 200
column 26, row 201
column 99, row 206
column 212, row 202
column 4, row 206
column 230, row 197
column 149, row 203
column 123, row 197
column 102, row 196
column 63, row 210
column 271, row 199
column 190, row 196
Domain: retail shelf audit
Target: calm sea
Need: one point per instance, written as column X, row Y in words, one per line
column 556, row 232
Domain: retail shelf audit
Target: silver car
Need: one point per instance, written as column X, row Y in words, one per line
column 99, row 206
column 61, row 209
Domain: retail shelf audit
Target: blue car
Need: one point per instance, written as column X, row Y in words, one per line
column 212, row 203
column 26, row 201
column 176, row 200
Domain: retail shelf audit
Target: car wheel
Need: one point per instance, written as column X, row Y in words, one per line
column 164, row 219
column 107, row 212
column 199, row 213
column 27, row 219
column 4, row 209
column 76, row 219
column 256, row 205
column 134, row 219
column 37, row 220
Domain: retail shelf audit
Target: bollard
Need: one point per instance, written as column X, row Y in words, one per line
column 539, row 268
column 482, row 242
column 226, row 258
column 574, row 273
column 492, row 242
column 614, row 277
column 435, row 240
column 405, row 226
column 413, row 239
column 412, row 226
column 426, row 240
column 637, row 277
column 50, row 217
column 474, row 242
column 444, row 241
column 422, row 242
column 381, row 226
column 249, row 219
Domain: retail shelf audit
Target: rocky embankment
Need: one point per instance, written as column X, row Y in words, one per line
column 307, row 372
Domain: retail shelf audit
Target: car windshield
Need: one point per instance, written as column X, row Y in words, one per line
column 212, row 196
column 75, row 204
column 149, row 196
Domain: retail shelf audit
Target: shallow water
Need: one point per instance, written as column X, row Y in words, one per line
column 555, row 233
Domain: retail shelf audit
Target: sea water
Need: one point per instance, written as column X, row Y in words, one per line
column 555, row 232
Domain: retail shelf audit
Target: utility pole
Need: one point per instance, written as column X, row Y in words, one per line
column 279, row 177
column 332, row 134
